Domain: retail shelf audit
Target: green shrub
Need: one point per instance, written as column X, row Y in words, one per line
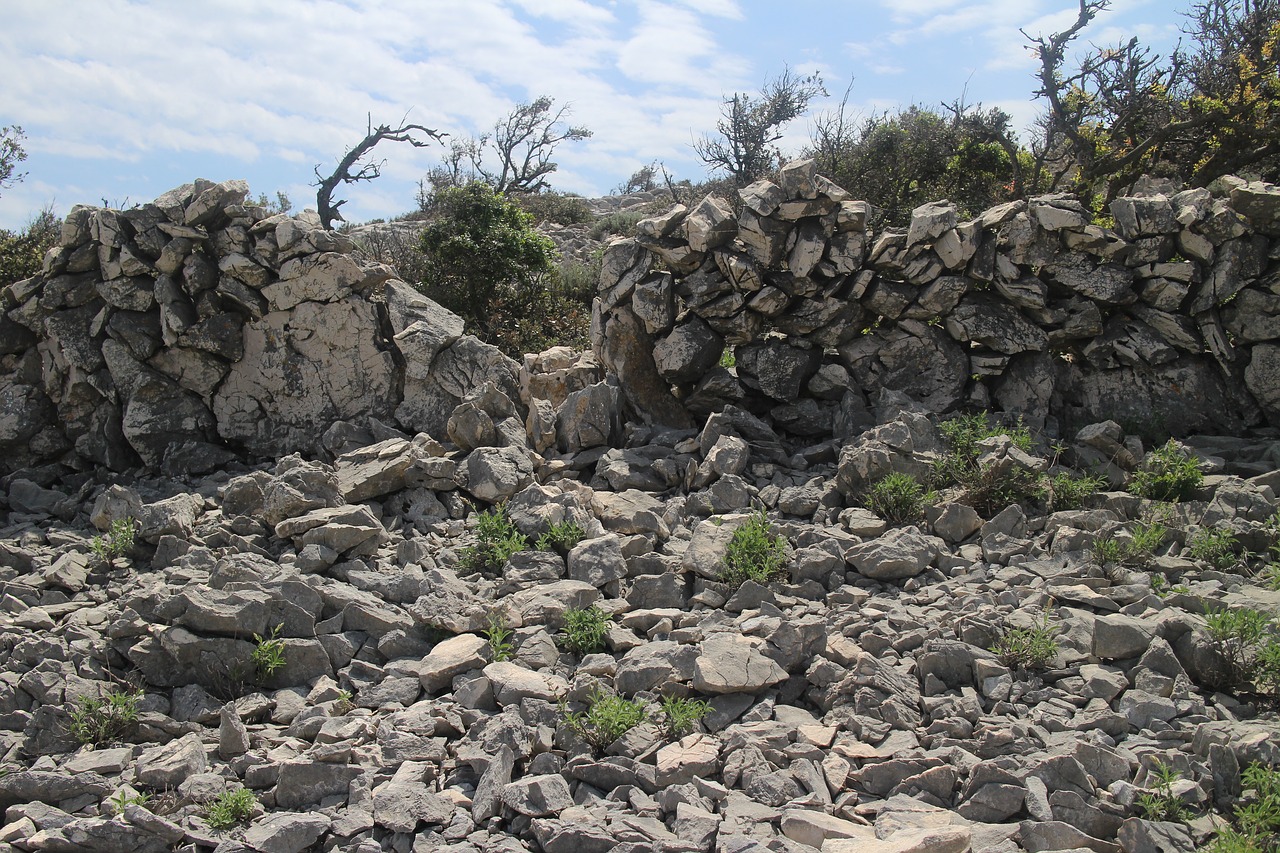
column 1066, row 491
column 607, row 718
column 498, row 636
column 621, row 222
column 898, row 499
column 728, row 359
column 986, row 489
column 1137, row 550
column 1239, row 635
column 1167, row 473
column 98, row 720
column 22, row 252
column 1218, row 548
column 754, row 554
column 484, row 261
column 584, row 630
column 230, row 808
column 1256, row 822
column 561, row 537
column 268, row 653
column 496, row 540
column 681, row 715
column 1161, row 803
column 551, row 206
column 116, row 542
column 1027, row 649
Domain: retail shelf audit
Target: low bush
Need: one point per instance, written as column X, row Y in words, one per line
column 681, row 715
column 498, row 635
column 1218, row 548
column 496, row 540
column 1255, row 827
column 230, row 808
column 1027, row 649
column 898, row 498
column 1168, row 473
column 985, row 488
column 268, row 653
column 1065, row 491
column 551, row 206
column 607, row 718
column 1136, row 550
column 754, row 553
column 584, row 630
column 623, row 222
column 99, row 720
column 1250, row 648
column 22, row 252
column 1161, row 803
column 561, row 537
column 116, row 542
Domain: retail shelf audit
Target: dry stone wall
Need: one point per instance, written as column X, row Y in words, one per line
column 196, row 329
column 1170, row 320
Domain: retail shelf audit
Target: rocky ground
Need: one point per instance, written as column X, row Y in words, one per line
column 854, row 706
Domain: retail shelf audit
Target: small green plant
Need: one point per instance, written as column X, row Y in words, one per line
column 496, row 540
column 1160, row 586
column 1168, row 473
column 98, row 720
column 680, row 715
column 1161, row 803
column 728, row 359
column 268, row 654
column 498, row 635
column 584, row 630
column 1137, row 550
column 607, row 718
column 986, row 488
column 1066, row 491
column 1239, row 635
column 561, row 537
column 1218, row 548
column 1256, row 826
column 898, row 498
column 1027, row 649
column 230, row 808
column 1267, row 676
column 754, row 553
column 116, row 542
column 123, row 799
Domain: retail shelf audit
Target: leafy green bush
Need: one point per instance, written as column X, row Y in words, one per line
column 496, row 540
column 552, row 206
column 1161, row 803
column 484, row 261
column 985, row 488
column 1218, row 548
column 1167, row 473
column 607, row 718
column 498, row 635
column 116, row 542
column 22, row 252
column 754, row 554
column 680, row 715
column 584, row 630
column 1026, row 649
column 230, row 808
column 1256, row 826
column 1241, row 636
column 1066, row 491
column 268, row 653
column 1137, row 550
column 898, row 498
column 621, row 222
column 98, row 720
column 561, row 537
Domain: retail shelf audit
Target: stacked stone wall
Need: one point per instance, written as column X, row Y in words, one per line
column 198, row 329
column 1168, row 320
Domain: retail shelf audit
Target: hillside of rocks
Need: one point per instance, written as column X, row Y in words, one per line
column 321, row 491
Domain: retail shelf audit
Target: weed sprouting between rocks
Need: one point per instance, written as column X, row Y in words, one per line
column 754, row 553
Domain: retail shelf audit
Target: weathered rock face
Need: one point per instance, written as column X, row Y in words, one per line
column 1028, row 307
column 196, row 329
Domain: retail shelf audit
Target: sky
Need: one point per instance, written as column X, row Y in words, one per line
column 121, row 100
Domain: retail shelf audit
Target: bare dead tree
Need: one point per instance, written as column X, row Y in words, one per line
column 344, row 174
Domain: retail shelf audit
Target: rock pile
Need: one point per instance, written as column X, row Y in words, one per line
column 854, row 705
column 196, row 329
column 1030, row 307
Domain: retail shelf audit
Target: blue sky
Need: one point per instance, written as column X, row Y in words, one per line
column 124, row 99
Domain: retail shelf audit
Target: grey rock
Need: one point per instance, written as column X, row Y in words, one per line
column 537, row 796
column 286, row 832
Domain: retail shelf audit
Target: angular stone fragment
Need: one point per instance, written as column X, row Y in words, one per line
column 734, row 664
